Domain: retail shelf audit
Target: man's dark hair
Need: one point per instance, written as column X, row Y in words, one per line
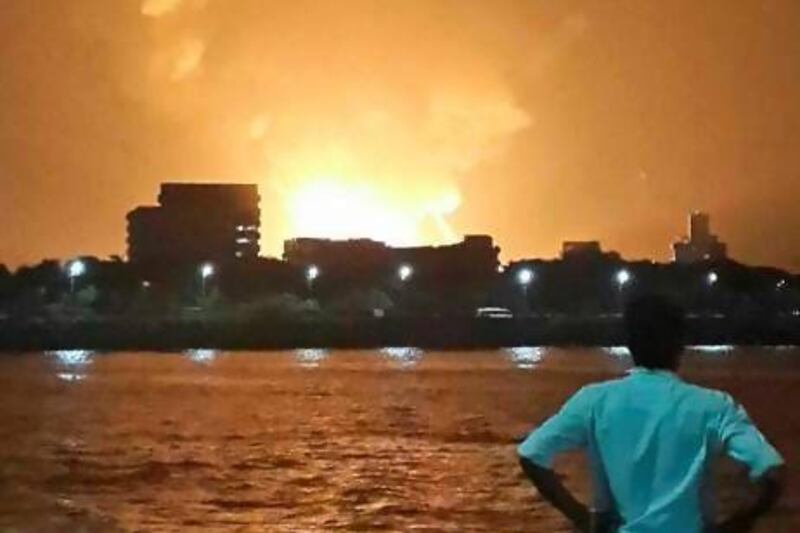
column 656, row 329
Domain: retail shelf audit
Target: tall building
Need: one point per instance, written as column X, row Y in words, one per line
column 196, row 222
column 701, row 244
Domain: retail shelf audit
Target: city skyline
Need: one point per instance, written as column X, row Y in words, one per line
column 533, row 122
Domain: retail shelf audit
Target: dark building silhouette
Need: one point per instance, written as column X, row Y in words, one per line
column 337, row 255
column 701, row 245
column 473, row 258
column 586, row 251
column 196, row 222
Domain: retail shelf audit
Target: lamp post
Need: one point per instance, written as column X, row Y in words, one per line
column 525, row 278
column 75, row 269
column 206, row 271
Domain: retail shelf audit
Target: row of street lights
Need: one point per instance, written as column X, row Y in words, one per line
column 525, row 276
column 404, row 273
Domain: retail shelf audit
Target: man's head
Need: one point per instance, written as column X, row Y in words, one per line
column 655, row 329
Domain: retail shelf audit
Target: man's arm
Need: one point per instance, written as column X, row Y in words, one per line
column 552, row 490
column 744, row 443
column 567, row 430
column 769, row 487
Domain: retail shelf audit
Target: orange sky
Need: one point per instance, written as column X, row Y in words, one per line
column 533, row 121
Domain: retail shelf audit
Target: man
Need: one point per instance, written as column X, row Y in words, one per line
column 650, row 438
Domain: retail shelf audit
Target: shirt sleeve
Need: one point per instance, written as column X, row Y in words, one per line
column 567, row 430
column 743, row 442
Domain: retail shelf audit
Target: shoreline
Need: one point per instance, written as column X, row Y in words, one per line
column 444, row 333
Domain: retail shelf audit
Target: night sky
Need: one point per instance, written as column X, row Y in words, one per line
column 410, row 121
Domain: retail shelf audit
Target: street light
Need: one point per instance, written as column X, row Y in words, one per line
column 404, row 272
column 525, row 278
column 623, row 277
column 206, row 271
column 75, row 269
column 312, row 273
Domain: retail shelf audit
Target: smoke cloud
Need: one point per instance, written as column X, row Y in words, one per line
column 411, row 121
column 158, row 8
column 312, row 111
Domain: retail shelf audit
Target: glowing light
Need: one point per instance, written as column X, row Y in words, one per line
column 330, row 208
column 623, row 278
column 206, row 270
column 310, row 357
column 70, row 376
column 336, row 207
column 405, row 272
column 312, row 273
column 73, row 363
column 712, row 278
column 73, row 357
column 201, row 355
column 404, row 357
column 76, row 268
column 525, row 276
column 715, row 349
column 526, row 357
column 617, row 351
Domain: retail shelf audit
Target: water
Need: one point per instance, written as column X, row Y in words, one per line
column 315, row 440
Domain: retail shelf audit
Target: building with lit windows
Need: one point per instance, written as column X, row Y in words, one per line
column 196, row 222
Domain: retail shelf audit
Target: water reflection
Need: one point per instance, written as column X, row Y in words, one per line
column 617, row 351
column 525, row 357
column 783, row 348
column 203, row 356
column 72, row 363
column 712, row 349
column 310, row 357
column 404, row 357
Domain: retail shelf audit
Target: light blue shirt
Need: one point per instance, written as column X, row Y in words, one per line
column 650, row 438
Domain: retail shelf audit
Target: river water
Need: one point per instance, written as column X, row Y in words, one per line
column 315, row 440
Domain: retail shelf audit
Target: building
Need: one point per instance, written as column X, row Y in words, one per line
column 352, row 257
column 474, row 257
column 196, row 222
column 586, row 251
column 701, row 244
